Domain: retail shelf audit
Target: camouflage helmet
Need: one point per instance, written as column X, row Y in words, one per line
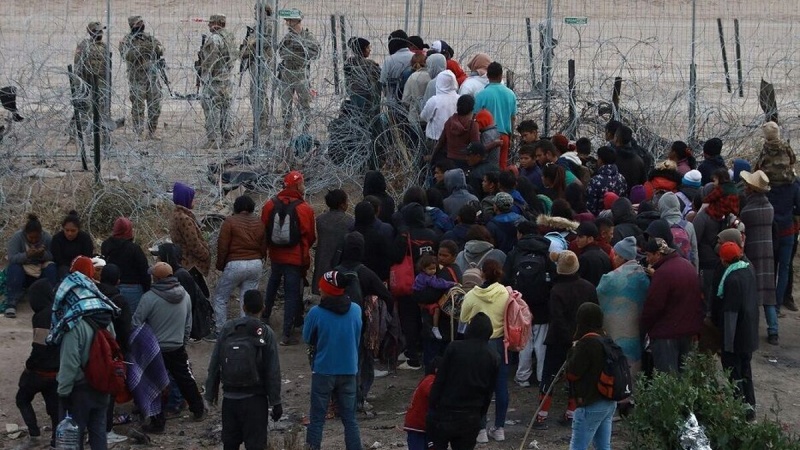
column 263, row 5
column 133, row 20
column 95, row 27
column 218, row 18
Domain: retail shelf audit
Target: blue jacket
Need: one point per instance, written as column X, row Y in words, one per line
column 336, row 333
column 503, row 228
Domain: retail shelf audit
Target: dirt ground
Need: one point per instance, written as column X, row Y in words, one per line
column 775, row 372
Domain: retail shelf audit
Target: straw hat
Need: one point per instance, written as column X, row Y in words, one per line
column 758, row 180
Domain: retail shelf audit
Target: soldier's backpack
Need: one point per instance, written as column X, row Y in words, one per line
column 283, row 227
column 241, row 354
column 615, row 381
column 105, row 371
column 517, row 320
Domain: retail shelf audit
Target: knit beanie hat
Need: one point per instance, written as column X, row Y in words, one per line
column 589, row 319
column 504, row 201
column 547, row 203
column 182, row 195
column 123, row 228
column 638, row 194
column 692, row 178
column 729, row 251
column 728, row 235
column 660, row 228
column 740, row 165
column 332, row 283
column 771, row 131
column 626, row 248
column 83, row 265
column 712, row 147
column 566, row 262
column 608, row 199
column 470, row 279
column 484, row 118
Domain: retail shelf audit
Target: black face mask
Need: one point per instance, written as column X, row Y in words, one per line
column 137, row 30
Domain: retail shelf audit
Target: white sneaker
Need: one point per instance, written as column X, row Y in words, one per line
column 402, row 357
column 482, row 437
column 114, row 438
column 436, row 333
column 498, row 434
column 407, row 366
column 381, row 373
column 523, row 383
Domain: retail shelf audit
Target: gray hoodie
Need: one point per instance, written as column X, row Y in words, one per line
column 167, row 308
column 435, row 64
column 670, row 208
column 456, row 184
column 477, row 252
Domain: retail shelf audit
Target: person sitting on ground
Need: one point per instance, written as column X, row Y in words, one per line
column 246, row 402
column 41, row 367
column 594, row 413
column 29, row 259
column 69, row 243
column 459, row 131
column 427, row 268
column 463, row 388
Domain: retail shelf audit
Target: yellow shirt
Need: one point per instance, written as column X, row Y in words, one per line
column 491, row 301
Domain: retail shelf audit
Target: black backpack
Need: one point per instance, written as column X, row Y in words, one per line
column 533, row 277
column 241, row 354
column 615, row 381
column 283, row 227
column 353, row 286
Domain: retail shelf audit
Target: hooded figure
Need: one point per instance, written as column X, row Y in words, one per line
column 624, row 221
column 435, row 65
column 375, row 184
column 477, row 77
column 120, row 250
column 441, row 106
column 353, row 255
column 670, row 208
column 185, row 232
column 476, row 252
column 456, row 183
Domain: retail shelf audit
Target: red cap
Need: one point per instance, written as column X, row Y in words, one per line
column 293, row 178
column 729, row 251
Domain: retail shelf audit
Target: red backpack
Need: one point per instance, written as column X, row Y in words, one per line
column 517, row 321
column 106, row 371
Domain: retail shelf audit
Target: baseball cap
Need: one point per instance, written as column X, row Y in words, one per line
column 293, row 178
column 160, row 270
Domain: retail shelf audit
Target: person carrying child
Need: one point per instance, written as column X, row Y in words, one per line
column 427, row 267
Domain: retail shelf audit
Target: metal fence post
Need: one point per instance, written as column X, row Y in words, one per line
column 692, row 132
column 419, row 17
column 547, row 65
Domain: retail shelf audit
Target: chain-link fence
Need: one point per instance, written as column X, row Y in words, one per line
column 644, row 48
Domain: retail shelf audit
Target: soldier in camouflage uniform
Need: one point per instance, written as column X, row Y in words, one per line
column 251, row 61
column 297, row 49
column 218, row 57
column 143, row 53
column 777, row 158
column 91, row 61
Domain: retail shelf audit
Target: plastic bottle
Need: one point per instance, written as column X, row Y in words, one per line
column 67, row 434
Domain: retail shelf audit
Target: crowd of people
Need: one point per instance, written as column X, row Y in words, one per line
column 603, row 241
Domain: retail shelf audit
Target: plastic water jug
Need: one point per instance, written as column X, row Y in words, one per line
column 67, row 434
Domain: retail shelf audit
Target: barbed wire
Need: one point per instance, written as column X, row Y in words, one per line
column 648, row 48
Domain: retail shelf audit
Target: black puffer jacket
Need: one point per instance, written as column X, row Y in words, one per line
column 423, row 240
column 130, row 259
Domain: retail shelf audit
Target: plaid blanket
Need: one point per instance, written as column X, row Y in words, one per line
column 147, row 375
column 77, row 296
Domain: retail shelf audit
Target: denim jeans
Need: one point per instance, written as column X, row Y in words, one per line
column 535, row 346
column 668, row 354
column 292, row 293
column 771, row 316
column 89, row 409
column 501, row 385
column 593, row 424
column 242, row 274
column 783, row 259
column 17, row 281
column 132, row 293
column 344, row 388
column 416, row 440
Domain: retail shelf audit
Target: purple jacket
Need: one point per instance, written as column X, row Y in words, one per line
column 424, row 280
